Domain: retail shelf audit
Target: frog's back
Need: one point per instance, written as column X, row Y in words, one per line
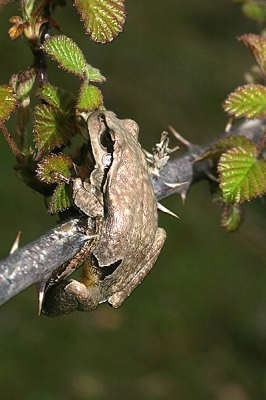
column 131, row 212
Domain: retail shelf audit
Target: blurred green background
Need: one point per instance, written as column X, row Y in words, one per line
column 196, row 328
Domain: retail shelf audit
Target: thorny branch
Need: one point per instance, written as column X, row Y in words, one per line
column 37, row 260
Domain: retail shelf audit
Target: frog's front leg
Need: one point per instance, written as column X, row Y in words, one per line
column 141, row 270
column 87, row 198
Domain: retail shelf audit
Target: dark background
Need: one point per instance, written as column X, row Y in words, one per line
column 196, row 328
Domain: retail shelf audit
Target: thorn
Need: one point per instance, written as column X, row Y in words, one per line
column 16, row 243
column 183, row 197
column 174, row 185
column 229, row 124
column 165, row 210
column 181, row 139
column 40, row 289
column 212, row 177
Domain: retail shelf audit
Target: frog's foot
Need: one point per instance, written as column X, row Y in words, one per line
column 70, row 296
column 119, row 297
column 58, row 302
column 88, row 297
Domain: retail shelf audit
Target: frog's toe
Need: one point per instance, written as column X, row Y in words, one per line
column 87, row 297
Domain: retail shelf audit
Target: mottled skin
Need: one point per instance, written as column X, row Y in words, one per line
column 121, row 198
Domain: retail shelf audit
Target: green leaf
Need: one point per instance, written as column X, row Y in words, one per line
column 257, row 46
column 242, row 176
column 94, row 74
column 8, row 102
column 247, row 101
column 61, row 199
column 255, row 11
column 57, row 98
column 89, row 97
column 103, row 19
column 231, row 217
column 55, row 168
column 27, row 7
column 51, row 128
column 66, row 53
column 217, row 148
column 22, row 83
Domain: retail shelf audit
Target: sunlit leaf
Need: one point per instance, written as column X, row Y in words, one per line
column 247, row 101
column 242, row 176
column 57, row 98
column 15, row 31
column 8, row 102
column 66, row 53
column 54, row 168
column 257, row 46
column 231, row 217
column 52, row 129
column 103, row 19
column 94, row 74
column 61, row 199
column 16, row 20
column 89, row 97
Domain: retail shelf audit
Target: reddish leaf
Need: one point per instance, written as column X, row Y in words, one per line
column 257, row 46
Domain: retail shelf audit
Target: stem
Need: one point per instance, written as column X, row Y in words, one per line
column 40, row 8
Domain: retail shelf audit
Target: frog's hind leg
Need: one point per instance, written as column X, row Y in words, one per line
column 119, row 297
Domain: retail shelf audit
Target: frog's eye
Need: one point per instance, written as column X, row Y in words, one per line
column 107, row 140
column 102, row 118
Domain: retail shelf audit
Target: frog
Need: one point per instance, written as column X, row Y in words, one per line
column 119, row 196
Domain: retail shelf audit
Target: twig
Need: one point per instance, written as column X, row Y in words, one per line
column 37, row 260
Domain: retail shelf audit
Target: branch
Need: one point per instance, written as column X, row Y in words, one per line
column 36, row 261
column 185, row 169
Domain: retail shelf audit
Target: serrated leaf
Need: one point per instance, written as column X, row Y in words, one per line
column 16, row 20
column 54, row 168
column 15, row 31
column 257, row 46
column 94, row 74
column 61, row 199
column 8, row 102
column 57, row 98
column 89, row 97
column 242, row 176
column 103, row 19
column 247, row 101
column 217, row 148
column 22, row 83
column 231, row 217
column 66, row 53
column 51, row 128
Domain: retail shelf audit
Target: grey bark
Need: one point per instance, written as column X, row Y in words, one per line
column 36, row 261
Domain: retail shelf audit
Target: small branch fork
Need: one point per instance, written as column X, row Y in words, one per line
column 36, row 261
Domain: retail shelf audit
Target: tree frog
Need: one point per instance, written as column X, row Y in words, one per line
column 120, row 196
